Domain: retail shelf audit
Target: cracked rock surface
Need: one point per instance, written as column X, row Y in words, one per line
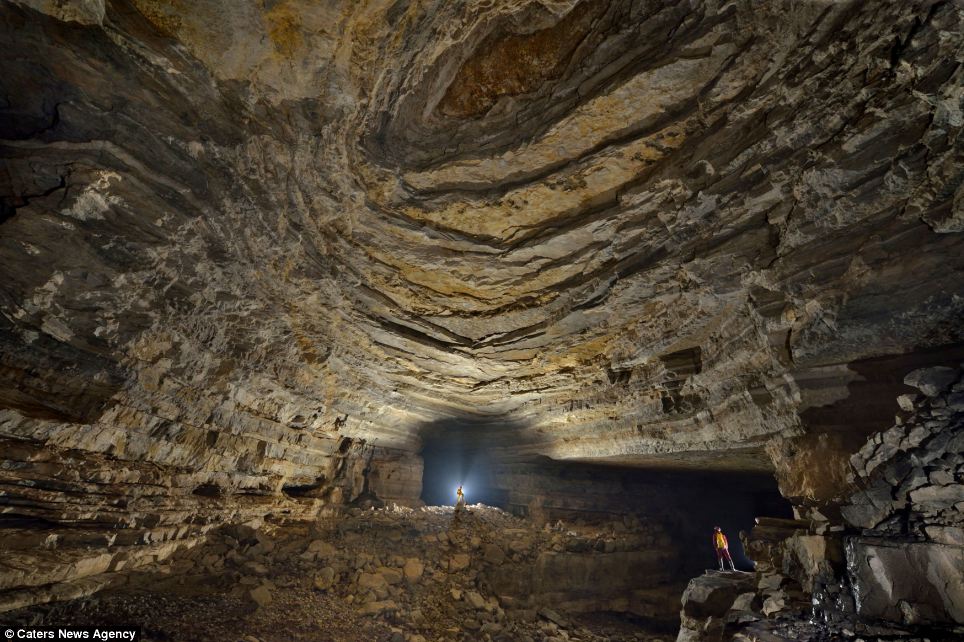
column 890, row 567
column 250, row 250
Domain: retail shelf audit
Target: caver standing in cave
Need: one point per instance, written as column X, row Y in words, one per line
column 460, row 499
column 722, row 547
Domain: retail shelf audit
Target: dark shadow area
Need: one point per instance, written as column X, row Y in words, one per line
column 733, row 501
column 208, row 490
column 687, row 503
column 493, row 464
column 870, row 400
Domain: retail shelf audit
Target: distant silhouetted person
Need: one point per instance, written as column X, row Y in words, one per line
column 722, row 548
column 460, row 499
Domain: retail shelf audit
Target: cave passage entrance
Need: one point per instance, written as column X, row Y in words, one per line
column 728, row 499
column 686, row 499
column 458, row 452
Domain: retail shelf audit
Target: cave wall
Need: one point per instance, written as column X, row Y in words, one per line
column 248, row 251
column 843, row 406
column 907, row 562
column 888, row 562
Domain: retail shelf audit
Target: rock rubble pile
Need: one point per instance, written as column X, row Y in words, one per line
column 891, row 565
column 398, row 574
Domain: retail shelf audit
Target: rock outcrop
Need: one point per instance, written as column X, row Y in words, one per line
column 907, row 564
column 894, row 563
column 713, row 601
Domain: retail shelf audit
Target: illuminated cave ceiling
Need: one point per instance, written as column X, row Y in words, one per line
column 633, row 231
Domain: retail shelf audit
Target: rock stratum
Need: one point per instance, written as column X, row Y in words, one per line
column 251, row 252
column 395, row 574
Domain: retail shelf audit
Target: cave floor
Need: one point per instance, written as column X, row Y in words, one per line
column 390, row 574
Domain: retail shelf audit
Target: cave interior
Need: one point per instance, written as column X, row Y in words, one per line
column 276, row 277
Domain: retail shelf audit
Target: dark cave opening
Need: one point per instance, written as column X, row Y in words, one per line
column 453, row 453
column 686, row 502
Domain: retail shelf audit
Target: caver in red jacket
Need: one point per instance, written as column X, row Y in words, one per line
column 722, row 547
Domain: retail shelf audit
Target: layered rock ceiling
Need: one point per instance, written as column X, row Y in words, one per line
column 252, row 250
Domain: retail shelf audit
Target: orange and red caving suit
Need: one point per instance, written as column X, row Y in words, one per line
column 722, row 547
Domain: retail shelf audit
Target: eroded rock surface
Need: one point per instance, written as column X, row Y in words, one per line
column 908, row 563
column 393, row 574
column 250, row 250
column 891, row 567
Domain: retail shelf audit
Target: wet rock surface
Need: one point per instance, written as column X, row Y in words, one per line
column 907, row 565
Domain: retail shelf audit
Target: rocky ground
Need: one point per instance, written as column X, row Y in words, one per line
column 730, row 606
column 889, row 566
column 387, row 574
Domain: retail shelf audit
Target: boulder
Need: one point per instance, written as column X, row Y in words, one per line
column 943, row 495
column 324, row 578
column 256, row 568
column 553, row 617
column 950, row 535
column 906, row 402
column 745, row 602
column 955, row 402
column 319, row 549
column 706, row 601
column 932, row 381
column 372, row 581
column 266, row 543
column 475, row 600
column 260, row 596
column 519, row 541
column 413, row 568
column 377, row 608
column 459, row 561
column 863, row 515
column 493, row 554
column 809, row 556
column 927, row 577
column 491, row 628
column 774, row 603
column 392, row 575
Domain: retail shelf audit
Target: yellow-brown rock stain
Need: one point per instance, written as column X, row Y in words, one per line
column 513, row 64
column 283, row 25
column 448, row 283
column 539, row 204
column 163, row 14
